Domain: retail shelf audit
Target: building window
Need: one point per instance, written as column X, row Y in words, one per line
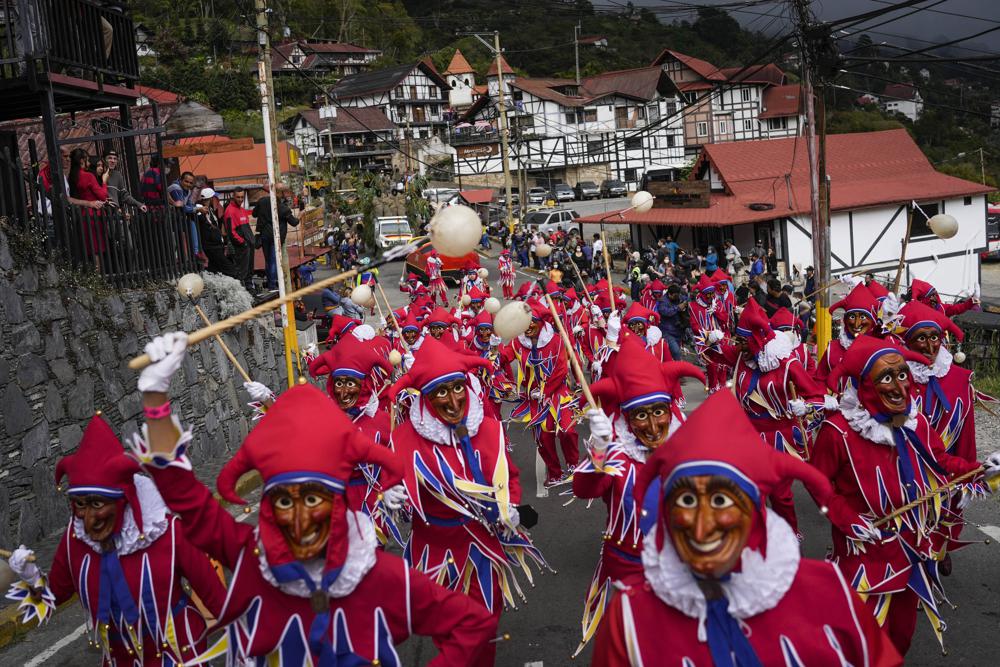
column 400, row 92
column 435, row 109
column 671, row 141
column 595, row 147
column 571, row 118
column 702, row 129
column 633, row 143
column 967, row 201
column 671, row 108
column 748, row 125
column 631, row 175
column 723, row 127
column 517, row 96
column 921, row 216
column 413, row 92
column 653, row 113
column 690, row 98
column 746, row 94
column 779, row 123
column 588, row 116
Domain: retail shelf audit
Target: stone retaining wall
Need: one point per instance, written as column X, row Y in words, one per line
column 64, row 354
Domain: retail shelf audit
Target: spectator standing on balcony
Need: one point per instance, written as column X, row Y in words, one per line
column 45, row 184
column 83, row 185
column 151, row 186
column 265, row 229
column 114, row 180
column 236, row 226
column 182, row 194
column 213, row 241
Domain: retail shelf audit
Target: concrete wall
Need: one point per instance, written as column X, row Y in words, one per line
column 63, row 355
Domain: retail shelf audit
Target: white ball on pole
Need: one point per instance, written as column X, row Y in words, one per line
column 492, row 305
column 484, row 273
column 455, row 231
column 943, row 225
column 543, row 250
column 512, row 320
column 395, row 358
column 466, row 299
column 642, row 201
column 363, row 296
column 190, row 285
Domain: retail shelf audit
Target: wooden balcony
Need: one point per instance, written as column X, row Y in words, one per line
column 83, row 53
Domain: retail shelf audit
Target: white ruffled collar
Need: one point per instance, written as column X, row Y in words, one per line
column 155, row 521
column 862, row 422
column 844, row 338
column 759, row 586
column 653, row 336
column 361, row 546
column 429, row 427
column 941, row 366
column 775, row 351
column 544, row 337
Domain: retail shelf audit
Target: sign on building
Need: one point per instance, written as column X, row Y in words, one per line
column 680, row 194
column 478, row 150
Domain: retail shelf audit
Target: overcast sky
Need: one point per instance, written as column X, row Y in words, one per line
column 929, row 24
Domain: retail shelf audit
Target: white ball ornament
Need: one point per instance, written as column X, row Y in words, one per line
column 492, row 305
column 943, row 225
column 512, row 320
column 642, row 201
column 395, row 358
column 190, row 285
column 362, row 295
column 959, row 357
column 484, row 273
column 466, row 299
column 455, row 231
column 543, row 250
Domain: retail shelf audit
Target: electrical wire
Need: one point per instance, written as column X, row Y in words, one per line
column 968, row 112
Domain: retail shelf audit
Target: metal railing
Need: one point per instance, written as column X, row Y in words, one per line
column 471, row 135
column 74, row 37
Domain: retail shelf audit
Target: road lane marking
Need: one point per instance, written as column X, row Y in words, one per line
column 538, row 663
column 58, row 646
column 991, row 531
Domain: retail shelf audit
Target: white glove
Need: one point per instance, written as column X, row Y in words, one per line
column 714, row 336
column 535, row 394
column 394, row 497
column 577, row 330
column 596, row 367
column 600, row 428
column 991, row 466
column 258, row 391
column 311, row 350
column 964, row 501
column 495, row 340
column 831, row 403
column 363, row 332
column 614, row 327
column 408, row 360
column 851, row 280
column 798, row 406
column 595, row 311
column 514, row 519
column 382, row 324
column 23, row 567
column 167, row 353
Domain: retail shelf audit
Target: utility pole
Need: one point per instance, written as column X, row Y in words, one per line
column 819, row 199
column 982, row 165
column 273, row 171
column 504, row 138
column 576, row 49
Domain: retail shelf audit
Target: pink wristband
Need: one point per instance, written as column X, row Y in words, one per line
column 159, row 412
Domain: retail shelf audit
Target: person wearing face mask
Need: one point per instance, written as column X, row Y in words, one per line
column 124, row 556
column 708, row 326
column 308, row 584
column 443, row 326
column 781, row 399
column 438, row 288
column 477, row 299
column 723, row 583
column 785, row 323
column 505, row 267
column 638, row 413
column 484, row 343
column 860, row 313
column 538, row 368
column 925, row 293
column 881, row 453
column 463, row 487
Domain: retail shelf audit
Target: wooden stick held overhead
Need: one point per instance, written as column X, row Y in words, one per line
column 573, row 361
column 927, row 496
column 222, row 343
column 395, row 324
column 607, row 269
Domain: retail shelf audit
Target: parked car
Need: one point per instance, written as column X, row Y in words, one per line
column 548, row 220
column 451, row 267
column 392, row 231
column 587, row 190
column 439, row 195
column 514, row 197
column 992, row 233
column 537, row 195
column 562, row 192
column 612, row 188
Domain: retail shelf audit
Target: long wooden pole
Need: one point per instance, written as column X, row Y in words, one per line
column 222, row 344
column 927, row 496
column 902, row 254
column 607, row 269
column 7, row 554
column 399, row 329
column 802, row 426
column 573, row 361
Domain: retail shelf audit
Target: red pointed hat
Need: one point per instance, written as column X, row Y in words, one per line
column 434, row 364
column 553, row 290
column 421, row 290
column 540, row 310
column 411, row 321
column 921, row 289
column 860, row 299
column 476, row 294
column 637, row 311
column 326, row 447
column 440, row 317
column 412, row 277
column 878, row 290
column 705, row 284
column 341, row 324
column 784, row 320
column 754, row 326
column 721, row 276
column 603, row 301
column 571, row 295
column 471, row 265
column 483, row 319
column 356, row 359
column 526, row 290
column 637, row 378
column 696, row 449
column 917, row 315
column 857, row 362
column 656, row 286
column 100, row 467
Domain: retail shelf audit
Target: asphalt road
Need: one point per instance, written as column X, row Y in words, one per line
column 545, row 631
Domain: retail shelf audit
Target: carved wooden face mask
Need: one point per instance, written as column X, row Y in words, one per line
column 346, row 391
column 709, row 521
column 890, row 379
column 449, row 400
column 99, row 515
column 926, row 341
column 650, row 423
column 302, row 514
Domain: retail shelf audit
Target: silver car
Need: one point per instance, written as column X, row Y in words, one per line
column 537, row 195
column 562, row 192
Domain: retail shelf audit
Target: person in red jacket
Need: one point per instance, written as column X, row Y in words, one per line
column 236, row 226
column 124, row 555
column 638, row 414
column 882, row 455
column 309, row 583
column 784, row 322
column 723, row 583
column 463, row 487
column 925, row 293
column 85, row 186
column 860, row 313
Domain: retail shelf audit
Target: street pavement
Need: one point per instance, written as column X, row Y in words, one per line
column 545, row 630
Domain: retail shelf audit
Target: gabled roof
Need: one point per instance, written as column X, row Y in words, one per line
column 781, row 101
column 480, row 196
column 159, row 95
column 504, row 67
column 704, row 69
column 869, row 169
column 249, row 166
column 379, row 81
column 354, row 120
column 459, row 65
column 769, row 74
column 900, row 91
column 280, row 58
column 592, row 39
column 640, row 83
column 545, row 89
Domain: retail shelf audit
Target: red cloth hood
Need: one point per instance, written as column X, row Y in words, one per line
column 637, row 378
column 916, row 314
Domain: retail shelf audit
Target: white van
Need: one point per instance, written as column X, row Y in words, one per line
column 392, row 231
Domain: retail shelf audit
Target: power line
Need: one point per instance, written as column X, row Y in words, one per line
column 904, row 99
column 947, row 13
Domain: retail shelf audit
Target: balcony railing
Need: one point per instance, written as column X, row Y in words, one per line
column 73, row 37
column 473, row 136
column 372, row 147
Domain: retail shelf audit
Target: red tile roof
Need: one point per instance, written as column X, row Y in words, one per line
column 481, row 196
column 769, row 74
column 239, row 167
column 504, row 66
column 867, row 169
column 900, row 91
column 641, row 83
column 704, row 69
column 159, row 95
column 781, row 101
column 459, row 65
column 353, row 120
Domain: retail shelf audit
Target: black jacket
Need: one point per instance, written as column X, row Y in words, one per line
column 262, row 211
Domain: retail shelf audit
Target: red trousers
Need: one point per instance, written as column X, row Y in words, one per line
column 717, row 375
column 569, row 442
column 901, row 622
